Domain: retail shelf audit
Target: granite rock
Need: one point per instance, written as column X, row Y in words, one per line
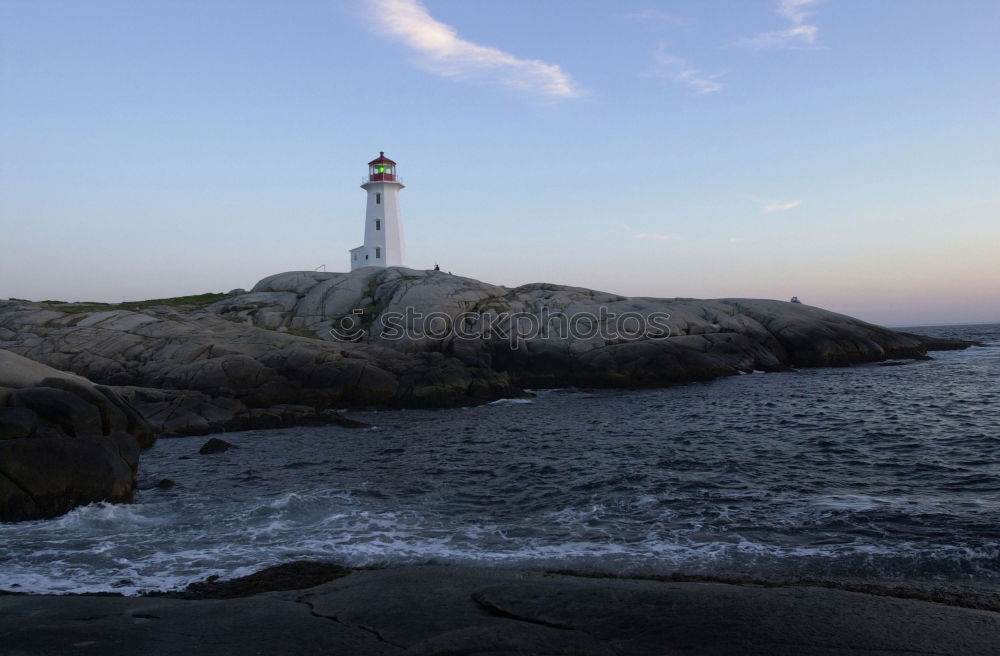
column 64, row 441
column 446, row 611
column 401, row 337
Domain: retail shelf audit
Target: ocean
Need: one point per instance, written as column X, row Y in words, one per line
column 873, row 472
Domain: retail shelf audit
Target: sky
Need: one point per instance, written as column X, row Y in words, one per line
column 843, row 151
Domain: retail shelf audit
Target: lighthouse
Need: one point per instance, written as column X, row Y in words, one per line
column 383, row 245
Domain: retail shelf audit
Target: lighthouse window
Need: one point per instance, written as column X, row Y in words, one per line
column 378, row 224
column 378, row 253
column 378, row 199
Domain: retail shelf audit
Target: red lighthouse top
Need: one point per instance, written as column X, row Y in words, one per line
column 382, row 168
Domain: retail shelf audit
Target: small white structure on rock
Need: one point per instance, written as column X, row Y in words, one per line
column 384, row 244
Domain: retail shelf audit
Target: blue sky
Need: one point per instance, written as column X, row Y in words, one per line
column 844, row 151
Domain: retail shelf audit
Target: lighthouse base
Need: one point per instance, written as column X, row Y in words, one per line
column 366, row 256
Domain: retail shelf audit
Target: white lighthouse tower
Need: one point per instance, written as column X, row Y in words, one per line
column 383, row 225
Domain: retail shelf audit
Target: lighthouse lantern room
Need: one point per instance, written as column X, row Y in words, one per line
column 383, row 245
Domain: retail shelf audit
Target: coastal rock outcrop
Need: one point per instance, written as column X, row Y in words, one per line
column 64, row 441
column 228, row 361
column 215, row 445
column 543, row 335
column 303, row 342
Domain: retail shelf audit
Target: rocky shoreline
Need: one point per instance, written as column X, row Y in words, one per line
column 320, row 608
column 420, row 339
column 300, row 345
column 267, row 358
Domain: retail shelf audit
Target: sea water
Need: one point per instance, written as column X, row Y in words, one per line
column 870, row 472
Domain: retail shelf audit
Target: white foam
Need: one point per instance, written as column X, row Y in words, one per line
column 368, row 538
column 511, row 401
column 105, row 514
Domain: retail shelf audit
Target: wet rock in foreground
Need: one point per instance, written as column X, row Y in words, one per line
column 64, row 442
column 436, row 610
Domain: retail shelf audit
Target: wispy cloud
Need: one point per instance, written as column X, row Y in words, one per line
column 796, row 10
column 798, row 32
column 646, row 235
column 443, row 52
column 676, row 69
column 769, row 208
column 654, row 16
column 802, row 34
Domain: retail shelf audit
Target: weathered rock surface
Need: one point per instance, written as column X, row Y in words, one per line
column 185, row 412
column 226, row 361
column 448, row 611
column 64, row 441
column 591, row 338
column 295, row 575
column 421, row 338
